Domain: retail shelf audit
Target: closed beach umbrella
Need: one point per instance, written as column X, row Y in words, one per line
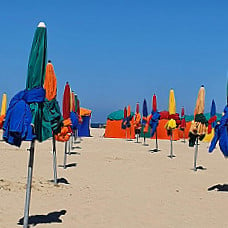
column 200, row 102
column 137, row 108
column 200, row 119
column 3, row 109
column 50, row 86
column 125, row 112
column 154, row 121
column 35, row 79
column 171, row 123
column 213, row 112
column 144, row 120
column 172, row 103
column 50, row 82
column 154, row 103
column 4, row 104
column 66, row 102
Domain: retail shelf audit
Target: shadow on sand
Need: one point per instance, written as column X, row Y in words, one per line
column 52, row 217
column 219, row 188
column 61, row 180
column 69, row 165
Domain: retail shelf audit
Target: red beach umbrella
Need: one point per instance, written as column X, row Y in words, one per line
column 66, row 102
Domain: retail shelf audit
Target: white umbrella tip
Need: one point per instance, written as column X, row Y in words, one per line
column 42, row 24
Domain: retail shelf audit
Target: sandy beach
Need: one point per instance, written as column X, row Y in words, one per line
column 115, row 183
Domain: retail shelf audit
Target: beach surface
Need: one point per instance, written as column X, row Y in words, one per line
column 114, row 183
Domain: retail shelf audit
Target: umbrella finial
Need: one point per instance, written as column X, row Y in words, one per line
column 41, row 24
column 49, row 61
column 202, row 85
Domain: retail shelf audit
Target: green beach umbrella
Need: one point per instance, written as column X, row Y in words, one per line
column 35, row 78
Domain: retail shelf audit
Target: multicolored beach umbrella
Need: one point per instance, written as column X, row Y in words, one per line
column 155, row 116
column 55, row 116
column 198, row 127
column 35, row 79
column 137, row 122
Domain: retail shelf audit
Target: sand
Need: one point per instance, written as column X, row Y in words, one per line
column 116, row 183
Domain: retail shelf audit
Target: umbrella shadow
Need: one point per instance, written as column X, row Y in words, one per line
column 219, row 188
column 69, row 165
column 200, row 168
column 52, row 217
column 145, row 144
column 154, row 150
column 171, row 156
column 73, row 153
column 76, row 147
column 61, row 180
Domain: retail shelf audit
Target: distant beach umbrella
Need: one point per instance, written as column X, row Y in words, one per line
column 145, row 121
column 137, row 108
column 213, row 112
column 66, row 102
column 154, row 103
column 4, row 104
column 125, row 112
column 172, row 103
column 182, row 112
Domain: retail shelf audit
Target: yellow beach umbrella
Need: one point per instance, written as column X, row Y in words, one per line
column 4, row 103
column 172, row 103
column 171, row 124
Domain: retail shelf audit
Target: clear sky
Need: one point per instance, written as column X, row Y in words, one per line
column 118, row 52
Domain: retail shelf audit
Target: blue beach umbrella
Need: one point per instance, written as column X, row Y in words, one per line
column 213, row 112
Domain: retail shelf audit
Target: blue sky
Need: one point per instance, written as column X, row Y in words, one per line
column 115, row 53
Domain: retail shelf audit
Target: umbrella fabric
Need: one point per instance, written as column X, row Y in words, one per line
column 183, row 121
column 50, row 82
column 199, row 125
column 125, row 112
column 3, row 109
column 37, row 58
column 212, row 114
column 35, row 79
column 76, row 102
column 146, row 118
column 51, row 106
column 17, row 126
column 66, row 131
column 4, row 103
column 66, row 102
column 137, row 108
column 154, row 122
column 137, row 120
column 126, row 122
column 72, row 102
column 34, row 86
column 154, row 103
column 173, row 117
column 200, row 102
column 172, row 103
column 221, row 134
column 74, row 120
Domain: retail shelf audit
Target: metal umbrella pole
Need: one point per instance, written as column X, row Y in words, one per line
column 171, row 145
column 54, row 160
column 29, row 184
column 65, row 156
column 156, row 135
column 196, row 154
